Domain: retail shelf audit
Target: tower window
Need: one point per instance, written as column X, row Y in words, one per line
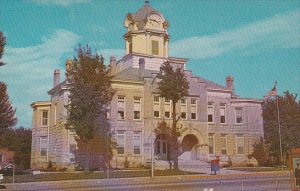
column 154, row 47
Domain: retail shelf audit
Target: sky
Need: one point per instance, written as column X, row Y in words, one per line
column 255, row 41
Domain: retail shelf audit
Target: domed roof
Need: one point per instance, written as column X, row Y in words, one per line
column 143, row 13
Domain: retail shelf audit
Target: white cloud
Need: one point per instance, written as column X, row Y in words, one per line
column 279, row 31
column 64, row 3
column 29, row 70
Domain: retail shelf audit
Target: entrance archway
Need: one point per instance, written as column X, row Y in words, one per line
column 188, row 147
column 162, row 147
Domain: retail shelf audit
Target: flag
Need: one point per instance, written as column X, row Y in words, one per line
column 271, row 93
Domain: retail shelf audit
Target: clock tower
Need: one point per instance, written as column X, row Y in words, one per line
column 147, row 32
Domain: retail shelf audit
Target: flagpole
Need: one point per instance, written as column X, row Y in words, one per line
column 279, row 131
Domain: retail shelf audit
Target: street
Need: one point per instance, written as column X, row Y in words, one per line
column 247, row 182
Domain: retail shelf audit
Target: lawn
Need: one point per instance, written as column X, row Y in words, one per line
column 257, row 169
column 56, row 176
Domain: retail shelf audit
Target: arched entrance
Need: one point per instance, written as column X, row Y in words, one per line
column 162, row 147
column 188, row 147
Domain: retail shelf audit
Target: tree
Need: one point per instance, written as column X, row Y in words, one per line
column 7, row 113
column 259, row 152
column 173, row 86
column 90, row 92
column 18, row 140
column 289, row 115
column 2, row 44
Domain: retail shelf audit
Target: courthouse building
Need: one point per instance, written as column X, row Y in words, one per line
column 217, row 122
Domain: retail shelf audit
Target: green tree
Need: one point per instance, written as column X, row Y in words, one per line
column 90, row 92
column 7, row 112
column 2, row 44
column 19, row 141
column 173, row 86
column 289, row 115
column 259, row 152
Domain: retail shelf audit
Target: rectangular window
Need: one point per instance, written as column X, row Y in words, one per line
column 44, row 118
column 156, row 106
column 223, row 144
column 167, row 108
column 183, row 115
column 121, row 107
column 120, row 142
column 167, row 114
column 43, row 146
column 137, row 108
column 210, row 113
column 193, row 109
column 72, row 148
column 240, row 144
column 222, row 113
column 211, row 143
column 137, row 142
column 155, row 47
column 239, row 115
column 183, row 108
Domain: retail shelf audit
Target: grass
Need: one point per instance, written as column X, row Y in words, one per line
column 57, row 176
column 257, row 169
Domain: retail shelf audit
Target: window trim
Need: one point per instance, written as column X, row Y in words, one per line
column 212, row 135
column 226, row 144
column 124, row 141
column 139, row 133
column 239, row 136
column 155, row 44
column 42, row 117
column 43, row 138
column 196, row 108
column 241, row 110
column 158, row 105
column 211, row 104
column 140, row 108
column 119, row 109
column 223, row 106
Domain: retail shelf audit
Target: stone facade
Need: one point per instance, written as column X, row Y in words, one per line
column 217, row 122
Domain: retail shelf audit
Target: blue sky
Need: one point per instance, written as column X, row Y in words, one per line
column 257, row 42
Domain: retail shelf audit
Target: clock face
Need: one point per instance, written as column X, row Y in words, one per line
column 155, row 17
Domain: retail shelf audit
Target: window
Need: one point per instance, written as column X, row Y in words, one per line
column 183, row 115
column 120, row 142
column 183, row 108
column 211, row 143
column 137, row 142
column 155, row 47
column 222, row 113
column 156, row 106
column 167, row 114
column 1, row 157
column 44, row 118
column 43, row 146
column 210, row 113
column 193, row 109
column 240, row 144
column 72, row 148
column 121, row 107
column 167, row 108
column 137, row 108
column 224, row 144
column 239, row 115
